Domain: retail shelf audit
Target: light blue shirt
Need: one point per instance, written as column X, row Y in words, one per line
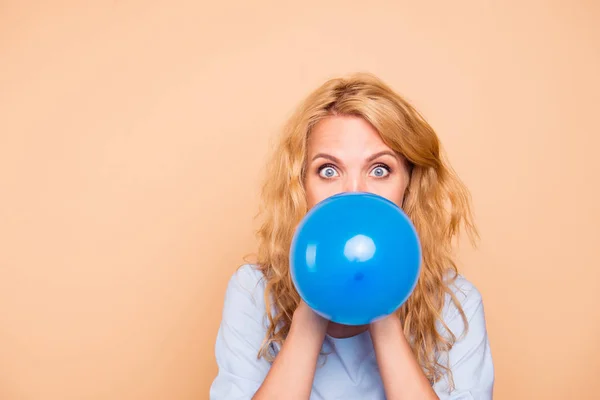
column 350, row 369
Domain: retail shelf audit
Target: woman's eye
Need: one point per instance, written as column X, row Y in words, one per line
column 380, row 171
column 327, row 172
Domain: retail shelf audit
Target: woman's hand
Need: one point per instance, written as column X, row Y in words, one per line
column 292, row 373
column 306, row 319
column 401, row 374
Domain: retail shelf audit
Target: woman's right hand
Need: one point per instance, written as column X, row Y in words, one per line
column 308, row 321
column 292, row 373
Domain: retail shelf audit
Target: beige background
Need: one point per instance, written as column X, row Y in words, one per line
column 132, row 137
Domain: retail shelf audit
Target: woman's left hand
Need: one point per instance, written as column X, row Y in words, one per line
column 401, row 374
column 386, row 326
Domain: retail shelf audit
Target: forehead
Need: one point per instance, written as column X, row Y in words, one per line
column 345, row 135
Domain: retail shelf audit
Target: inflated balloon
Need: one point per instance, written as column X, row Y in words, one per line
column 355, row 257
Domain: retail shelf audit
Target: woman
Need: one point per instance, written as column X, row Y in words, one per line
column 356, row 134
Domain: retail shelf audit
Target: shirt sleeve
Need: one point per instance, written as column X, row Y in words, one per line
column 239, row 338
column 470, row 359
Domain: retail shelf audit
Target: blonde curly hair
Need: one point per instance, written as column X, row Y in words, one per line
column 436, row 201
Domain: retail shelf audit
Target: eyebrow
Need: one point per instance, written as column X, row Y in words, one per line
column 382, row 153
column 371, row 158
column 327, row 156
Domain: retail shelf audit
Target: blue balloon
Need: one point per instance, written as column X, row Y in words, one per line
column 355, row 258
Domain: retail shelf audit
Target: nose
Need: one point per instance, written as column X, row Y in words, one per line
column 355, row 183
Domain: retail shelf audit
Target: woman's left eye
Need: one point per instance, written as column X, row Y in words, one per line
column 380, row 171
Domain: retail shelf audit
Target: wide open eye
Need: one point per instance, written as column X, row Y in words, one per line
column 327, row 171
column 380, row 171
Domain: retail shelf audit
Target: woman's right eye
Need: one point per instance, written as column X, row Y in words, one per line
column 327, row 171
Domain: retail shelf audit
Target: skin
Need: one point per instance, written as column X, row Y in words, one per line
column 346, row 154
